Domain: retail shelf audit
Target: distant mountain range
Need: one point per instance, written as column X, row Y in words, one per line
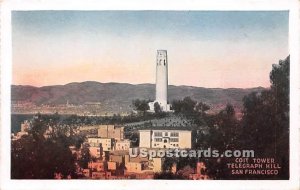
column 115, row 95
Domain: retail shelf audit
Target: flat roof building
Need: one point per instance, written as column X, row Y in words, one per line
column 111, row 131
column 165, row 138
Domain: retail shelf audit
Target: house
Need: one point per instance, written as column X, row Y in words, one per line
column 98, row 166
column 111, row 131
column 134, row 167
column 122, row 144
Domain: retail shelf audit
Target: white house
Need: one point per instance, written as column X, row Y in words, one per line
column 165, row 138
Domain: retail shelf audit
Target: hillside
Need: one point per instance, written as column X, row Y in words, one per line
column 112, row 96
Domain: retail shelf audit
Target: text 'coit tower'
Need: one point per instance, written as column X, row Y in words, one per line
column 161, row 81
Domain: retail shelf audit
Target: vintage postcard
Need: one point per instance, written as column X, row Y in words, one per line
column 152, row 95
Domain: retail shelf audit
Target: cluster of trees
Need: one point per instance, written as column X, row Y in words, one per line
column 266, row 118
column 263, row 128
column 191, row 109
column 36, row 156
column 188, row 106
column 141, row 105
column 78, row 120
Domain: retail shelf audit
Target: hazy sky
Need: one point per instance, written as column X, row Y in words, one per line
column 205, row 48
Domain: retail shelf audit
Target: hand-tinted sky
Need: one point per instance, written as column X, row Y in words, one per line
column 205, row 48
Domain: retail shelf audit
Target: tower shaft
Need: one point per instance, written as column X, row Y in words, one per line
column 161, row 76
column 161, row 96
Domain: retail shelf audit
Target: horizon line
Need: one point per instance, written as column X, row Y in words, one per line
column 182, row 85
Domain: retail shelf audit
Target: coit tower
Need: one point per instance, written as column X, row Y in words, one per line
column 161, row 77
column 161, row 81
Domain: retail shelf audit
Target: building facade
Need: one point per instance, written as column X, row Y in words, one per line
column 111, row 131
column 105, row 143
column 134, row 167
column 122, row 145
column 165, row 138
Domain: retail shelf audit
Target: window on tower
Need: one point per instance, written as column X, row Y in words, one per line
column 164, row 62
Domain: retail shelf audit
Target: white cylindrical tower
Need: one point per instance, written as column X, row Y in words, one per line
column 162, row 77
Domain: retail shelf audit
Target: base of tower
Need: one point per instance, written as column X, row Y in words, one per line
column 163, row 106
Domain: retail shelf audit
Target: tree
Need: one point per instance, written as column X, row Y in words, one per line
column 35, row 157
column 202, row 108
column 185, row 106
column 40, row 159
column 266, row 118
column 224, row 129
column 157, row 108
column 188, row 105
column 176, row 106
column 141, row 105
column 85, row 157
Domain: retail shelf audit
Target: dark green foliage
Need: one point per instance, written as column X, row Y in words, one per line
column 217, row 168
column 264, row 127
column 85, row 157
column 266, row 118
column 35, row 157
column 202, row 108
column 224, row 130
column 185, row 106
column 167, row 175
column 157, row 108
column 189, row 107
column 141, row 105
